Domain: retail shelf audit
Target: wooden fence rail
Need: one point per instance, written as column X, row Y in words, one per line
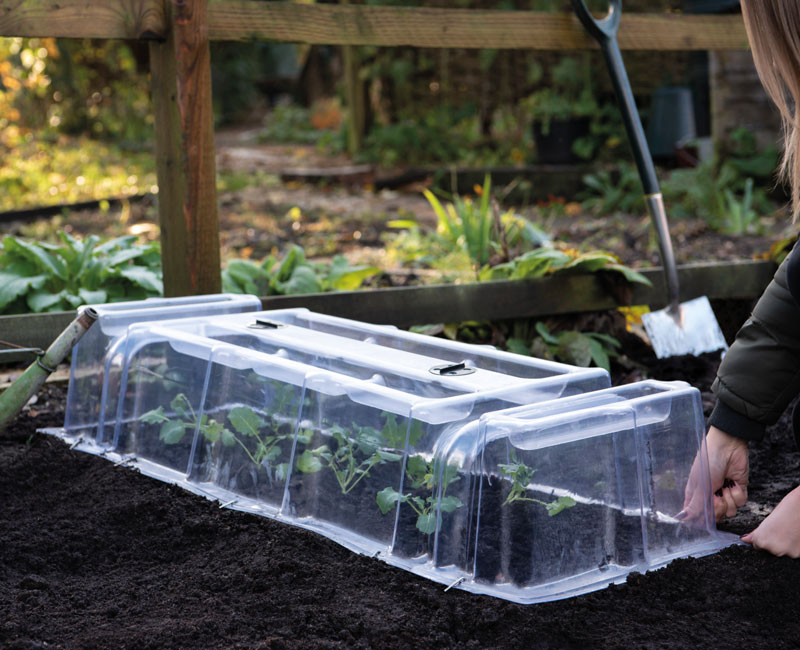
column 507, row 299
column 180, row 30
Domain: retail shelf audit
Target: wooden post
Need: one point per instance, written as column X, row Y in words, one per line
column 184, row 132
column 354, row 93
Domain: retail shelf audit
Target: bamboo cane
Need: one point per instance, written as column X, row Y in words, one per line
column 17, row 395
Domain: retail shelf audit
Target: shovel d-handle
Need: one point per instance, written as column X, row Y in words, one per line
column 604, row 31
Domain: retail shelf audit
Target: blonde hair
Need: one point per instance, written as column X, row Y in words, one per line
column 773, row 29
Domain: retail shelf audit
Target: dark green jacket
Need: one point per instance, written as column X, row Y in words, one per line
column 760, row 374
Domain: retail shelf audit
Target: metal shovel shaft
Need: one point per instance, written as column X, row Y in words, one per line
column 605, row 32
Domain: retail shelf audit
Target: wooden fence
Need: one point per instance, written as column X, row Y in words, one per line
column 179, row 31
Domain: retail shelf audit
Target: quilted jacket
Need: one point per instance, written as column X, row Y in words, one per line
column 760, row 374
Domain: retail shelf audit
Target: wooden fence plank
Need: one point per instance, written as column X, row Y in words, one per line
column 82, row 18
column 367, row 25
column 181, row 81
column 461, row 28
column 553, row 295
column 477, row 301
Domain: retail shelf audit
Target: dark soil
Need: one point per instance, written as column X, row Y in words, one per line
column 98, row 556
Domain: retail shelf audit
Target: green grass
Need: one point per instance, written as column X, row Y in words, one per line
column 38, row 173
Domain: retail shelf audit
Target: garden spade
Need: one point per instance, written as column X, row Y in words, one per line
column 680, row 328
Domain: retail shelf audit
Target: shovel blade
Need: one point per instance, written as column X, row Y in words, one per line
column 697, row 333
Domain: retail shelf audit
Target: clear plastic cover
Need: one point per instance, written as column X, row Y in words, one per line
column 513, row 476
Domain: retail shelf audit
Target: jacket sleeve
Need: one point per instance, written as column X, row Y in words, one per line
column 760, row 374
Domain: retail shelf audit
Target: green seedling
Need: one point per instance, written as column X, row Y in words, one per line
column 247, row 425
column 420, row 474
column 359, row 450
column 356, row 452
column 521, row 475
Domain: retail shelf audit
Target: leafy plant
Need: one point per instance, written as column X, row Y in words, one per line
column 352, row 457
column 521, row 475
column 613, row 191
column 543, row 261
column 173, row 428
column 247, row 426
column 722, row 190
column 42, row 277
column 466, row 225
column 421, row 475
column 293, row 275
column 578, row 348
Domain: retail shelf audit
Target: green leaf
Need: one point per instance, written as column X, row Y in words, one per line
column 629, row 274
column 343, row 277
column 245, row 420
column 559, row 505
column 36, row 253
column 426, row 523
column 388, row 456
column 518, row 346
column 40, row 301
column 387, row 498
column 449, row 504
column 281, row 471
column 16, row 279
column 120, row 257
column 180, row 404
column 227, row 437
column 155, row 416
column 544, row 332
column 303, row 280
column 143, row 277
column 308, row 462
column 575, row 347
column 171, row 432
column 599, row 355
column 212, row 431
column 93, row 297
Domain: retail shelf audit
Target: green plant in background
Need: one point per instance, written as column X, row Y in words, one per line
column 544, row 261
column 475, row 231
column 350, row 455
column 465, row 224
column 421, row 474
column 42, row 277
column 521, row 475
column 292, row 125
column 573, row 347
column 39, row 172
column 568, row 94
column 293, row 275
column 722, row 190
column 618, row 190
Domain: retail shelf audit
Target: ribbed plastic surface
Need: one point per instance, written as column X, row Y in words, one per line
column 512, row 476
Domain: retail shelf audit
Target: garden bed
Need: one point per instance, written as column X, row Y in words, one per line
column 96, row 555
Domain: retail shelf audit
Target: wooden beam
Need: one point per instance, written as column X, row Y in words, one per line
column 143, row 19
column 184, row 133
column 403, row 306
column 461, row 28
column 550, row 296
column 236, row 20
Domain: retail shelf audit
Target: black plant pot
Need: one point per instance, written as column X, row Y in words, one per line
column 555, row 146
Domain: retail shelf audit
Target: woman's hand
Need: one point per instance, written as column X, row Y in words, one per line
column 779, row 533
column 729, row 467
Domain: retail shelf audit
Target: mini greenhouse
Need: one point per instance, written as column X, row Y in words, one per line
column 502, row 474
